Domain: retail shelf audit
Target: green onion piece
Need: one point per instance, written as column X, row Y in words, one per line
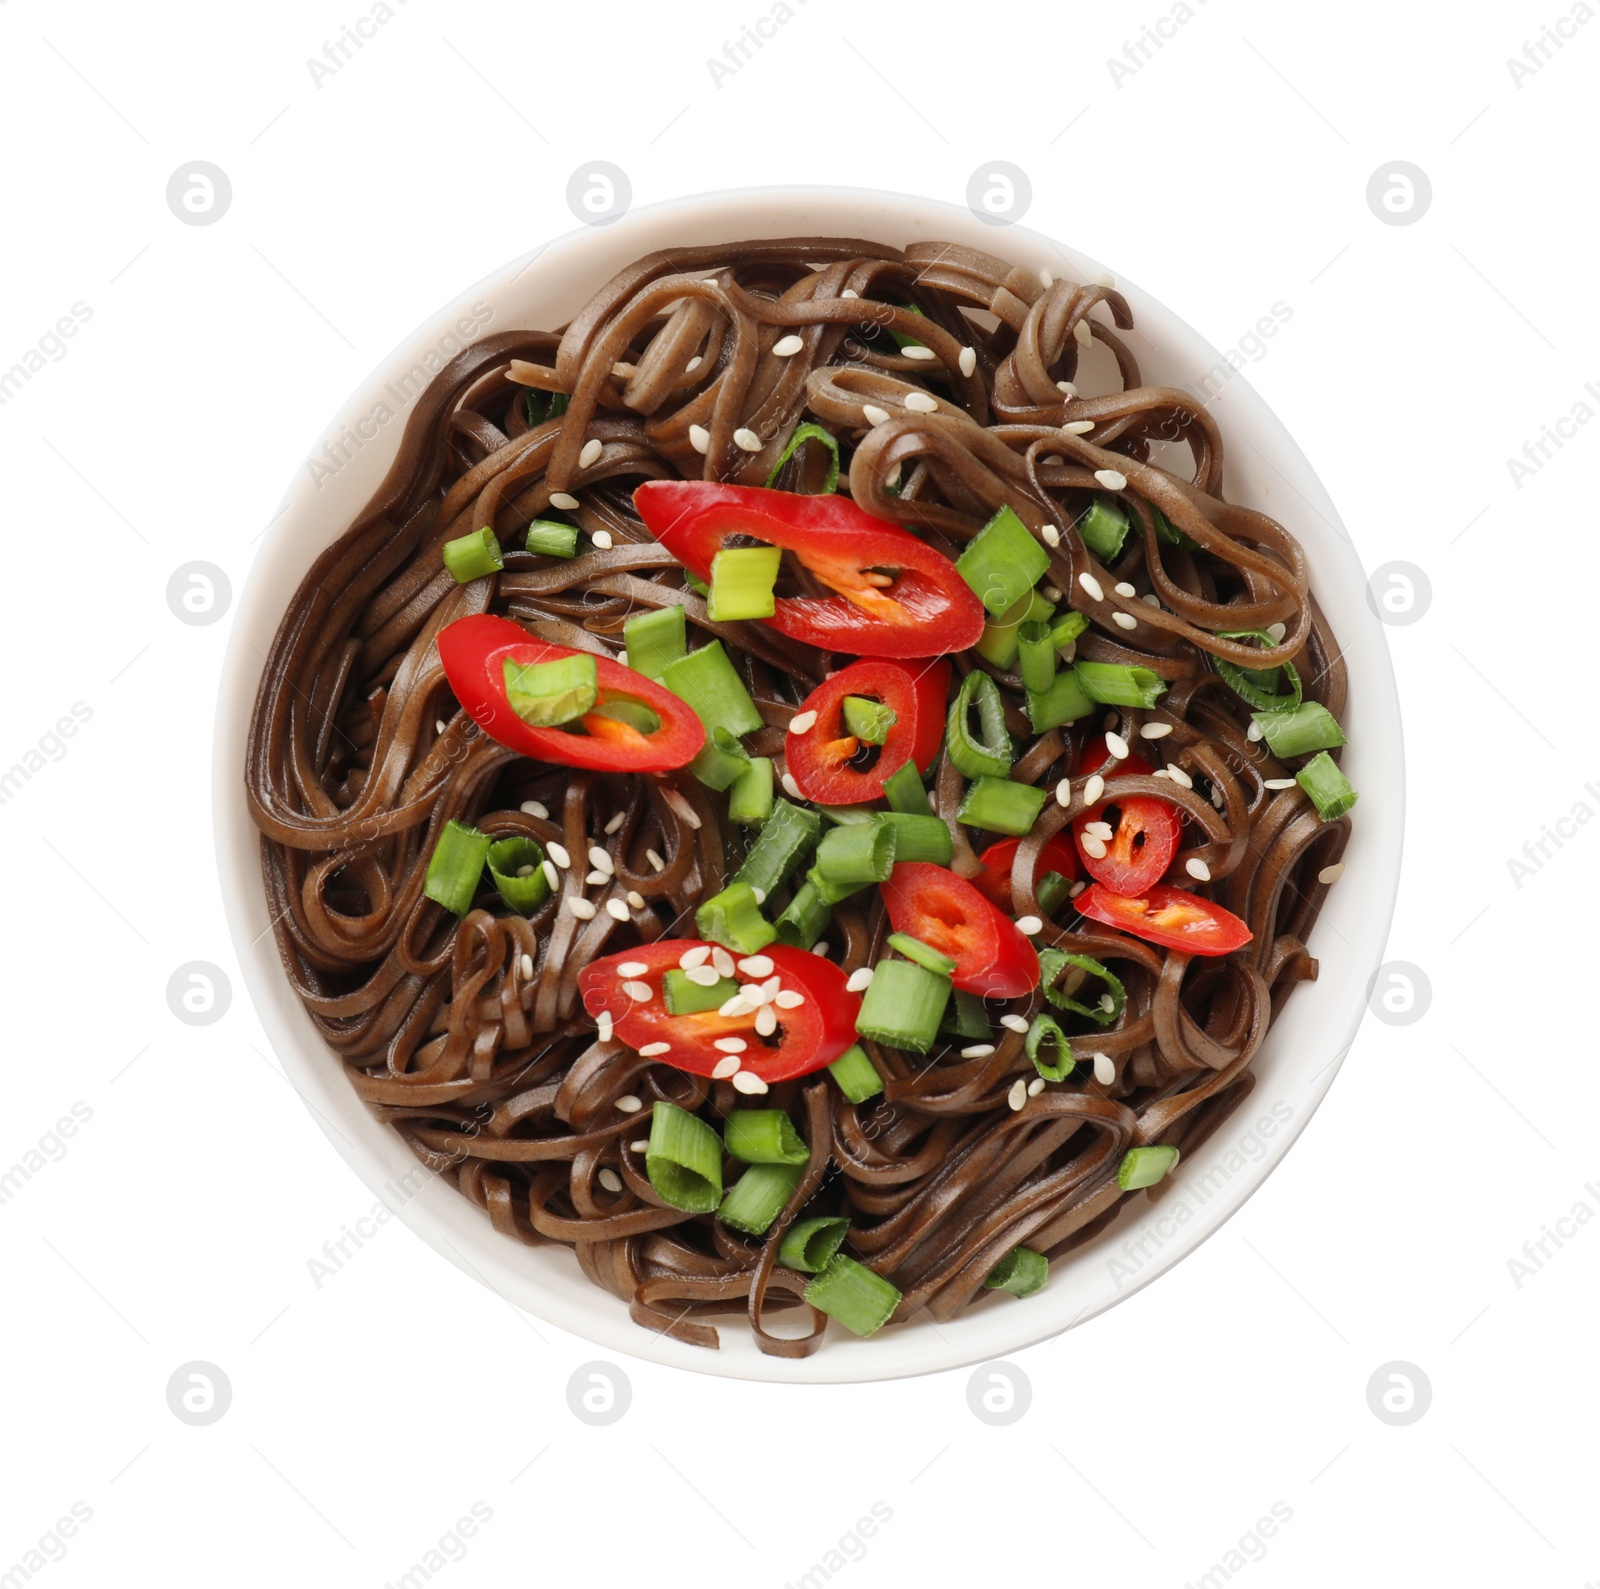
column 682, row 996
column 720, row 760
column 763, row 1136
column 804, row 433
column 901, row 340
column 1002, row 806
column 851, row 857
column 1037, row 657
column 696, row 584
column 758, row 1197
column 849, row 816
column 989, row 751
column 455, row 867
column 919, row 838
column 967, row 1016
column 1259, row 686
column 869, row 721
column 789, row 833
column 516, row 868
column 851, row 1293
column 1021, row 1272
column 1142, row 1167
column 733, row 918
column 1046, row 1029
column 1079, row 968
column 1170, row 533
column 547, row 694
column 1064, row 702
column 808, row 1244
column 1052, row 891
column 684, row 1159
column 1116, row 684
column 1002, row 561
column 904, row 791
column 1065, row 630
column 623, row 709
column 750, row 793
column 903, row 1005
column 707, row 681
column 924, row 954
column 472, row 556
column 541, row 406
column 856, row 1075
column 549, row 539
column 1297, row 730
column 741, row 583
column 1329, row 789
column 654, row 639
column 998, row 642
column 805, row 918
column 1103, row 528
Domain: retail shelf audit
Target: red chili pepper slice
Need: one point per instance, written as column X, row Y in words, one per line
column 1148, row 830
column 896, row 596
column 993, row 958
column 819, row 759
column 474, row 652
column 810, row 1034
column 1167, row 916
column 994, row 881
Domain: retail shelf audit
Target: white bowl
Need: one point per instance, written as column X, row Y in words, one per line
column 1302, row 1053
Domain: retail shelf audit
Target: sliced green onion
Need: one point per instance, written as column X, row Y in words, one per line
column 684, row 1159
column 808, row 1244
column 1002, row 561
column 989, row 751
column 472, row 556
column 924, row 954
column 707, row 680
column 758, row 1197
column 1329, row 789
column 804, row 433
column 851, row 1293
column 655, row 639
column 763, row 1136
column 851, row 857
column 516, row 868
column 1052, row 962
column 967, row 1016
column 919, row 838
column 623, row 709
column 869, row 721
column 901, row 340
column 1116, row 684
column 1065, row 630
column 998, row 642
column 856, row 1075
column 903, row 1005
column 546, row 538
column 696, row 584
column 1103, row 528
column 1168, row 532
column 546, row 694
column 849, row 816
column 1142, row 1167
column 1306, row 727
column 905, row 793
column 1052, row 891
column 720, row 760
column 1046, row 1029
column 1258, row 686
column 1037, row 657
column 741, row 583
column 805, row 918
column 540, row 406
column 684, row 996
column 789, row 833
column 1002, row 806
column 734, row 918
column 750, row 793
column 1021, row 1272
column 1064, row 702
column 455, row 867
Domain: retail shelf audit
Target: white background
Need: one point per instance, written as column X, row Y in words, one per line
column 1226, row 174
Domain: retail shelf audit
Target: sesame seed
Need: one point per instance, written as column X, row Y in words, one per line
column 640, row 1145
column 1104, row 1071
column 791, row 788
column 917, row 351
column 802, row 722
column 591, row 452
column 922, row 402
column 558, row 854
column 1036, row 1086
column 1093, row 789
column 1082, row 334
column 582, row 908
column 1123, row 588
column 1117, row 746
column 724, row 1068
column 1064, row 792
column 1078, row 427
column 1045, row 278
column 1331, row 874
column 700, row 438
column 1197, row 869
column 616, row 822
column 1050, row 593
column 747, row 440
column 1277, row 631
column 1111, row 479
column 527, row 967
column 721, row 961
column 1014, row 1023
column 603, row 1024
column 766, row 1022
column 633, row 968
column 600, row 860
column 1029, row 925
column 703, row 976
column 1161, row 772
column 1107, row 1003
column 1018, row 1094
column 787, row 347
column 760, row 894
column 1099, row 830
column 859, row 980
column 730, row 1045
column 1092, row 587
column 639, row 992
column 622, row 660
column 690, row 958
column 650, row 1050
column 1150, row 599
column 748, row 1082
column 596, row 880
column 967, row 361
column 564, row 500
column 693, row 364
column 1068, row 388
column 610, row 1179
column 736, row 1006
column 1105, row 279
column 602, row 540
column 789, row 999
column 1093, row 846
column 551, row 875
column 1051, row 536
column 1216, row 798
column 822, row 947
column 849, row 292
column 438, row 725
column 1156, row 730
column 1279, row 783
column 629, row 1105
column 1076, row 889
column 524, row 871
column 536, row 808
column 1253, row 733
column 1124, row 620
column 1179, row 776
column 873, row 414
column 756, row 966
column 978, row 1051
column 655, row 860
column 893, row 476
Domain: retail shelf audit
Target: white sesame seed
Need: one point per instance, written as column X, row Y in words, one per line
column 639, row 992
column 789, row 999
column 802, row 722
column 602, row 540
column 1050, row 535
column 1331, row 874
column 893, row 476
column 632, row 968
column 582, row 908
column 1076, row 889
column 731, row 1045
column 1161, row 772
column 601, row 860
column 527, row 967
column 787, row 347
column 1123, row 588
column 1050, row 592
column 1014, row 1023
column 756, row 965
column 609, row 1179
column 1107, row 1003
column 1179, row 776
column 1069, row 389
column 1156, row 730
column 1117, row 746
column 703, row 976
column 524, row 871
column 558, row 854
column 1082, row 334
column 849, row 292
column 922, row 402
column 724, row 1068
column 690, row 958
column 1093, row 789
column 1099, row 830
column 917, row 351
column 536, row 808
column 622, row 661
column 736, row 1006
column 650, row 1050
column 746, row 439
column 1277, row 631
column 721, row 961
column 1105, row 279
column 591, row 452
column 1045, row 278
column 766, row 1021
column 747, row 1081
column 1029, row 925
column 700, row 438
column 967, row 361
column 1093, row 846
column 1104, row 1071
column 1018, row 1094
column 1150, row 599
column 1111, row 479
column 760, row 894
column 1216, row 799
column 791, row 788
column 694, row 364
column 822, row 947
column 629, row 1105
column 1197, row 869
column 1124, row 620
column 873, row 414
column 859, row 980
column 616, row 822
column 1278, row 783
column 655, row 860
column 1036, row 1086
column 603, row 1023
column 977, row 1051
column 1064, row 792
column 1253, row 733
column 640, row 1145
column 564, row 500
column 1078, row 427
column 596, row 880
column 1092, row 587
column 439, row 725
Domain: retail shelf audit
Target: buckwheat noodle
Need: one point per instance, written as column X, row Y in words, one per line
column 358, row 755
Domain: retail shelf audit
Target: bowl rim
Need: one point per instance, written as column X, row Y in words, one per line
column 307, row 521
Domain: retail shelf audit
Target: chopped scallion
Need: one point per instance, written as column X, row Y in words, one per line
column 707, row 680
column 516, row 868
column 1064, row 702
column 999, row 640
column 923, row 954
column 763, row 1136
column 1259, row 686
column 758, row 1196
column 750, row 793
column 870, row 721
column 1065, row 630
column 1329, row 789
column 919, row 838
column 805, row 918
column 1046, row 1029
column 1169, row 532
column 1116, row 684
column 903, row 1005
column 967, row 1016
column 808, row 1244
column 1002, row 806
column 734, row 918
column 788, row 834
column 905, row 793
column 988, row 752
column 863, row 1302
column 546, row 538
column 1143, row 1167
column 1036, row 652
column 1103, row 528
column 803, row 434
column 1052, row 891
column 684, row 1159
column 742, row 579
column 1021, row 1272
column 456, row 866
column 547, row 694
column 720, row 760
column 470, row 557
column 1002, row 561
column 655, row 639
column 1078, row 969
column 1300, row 729
column 851, row 857
column 684, row 996
column 856, row 1075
